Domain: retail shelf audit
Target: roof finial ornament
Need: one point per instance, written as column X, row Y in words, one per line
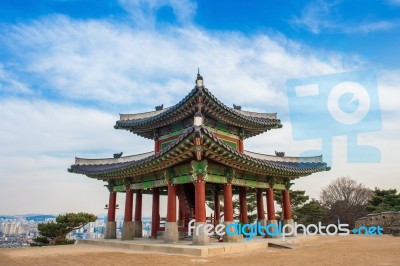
column 159, row 107
column 199, row 80
column 237, row 107
column 118, row 155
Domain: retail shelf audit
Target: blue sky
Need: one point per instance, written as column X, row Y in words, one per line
column 67, row 68
column 368, row 28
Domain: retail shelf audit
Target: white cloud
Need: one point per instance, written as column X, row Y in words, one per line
column 367, row 27
column 38, row 143
column 144, row 12
column 41, row 128
column 322, row 15
column 388, row 86
column 9, row 83
column 110, row 63
column 107, row 62
column 393, row 2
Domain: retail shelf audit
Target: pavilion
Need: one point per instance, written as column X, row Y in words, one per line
column 198, row 152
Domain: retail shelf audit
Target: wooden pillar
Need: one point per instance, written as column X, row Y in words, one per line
column 112, row 206
column 181, row 215
column 155, row 223
column 260, row 205
column 228, row 207
column 243, row 205
column 111, row 226
column 171, row 234
column 217, row 207
column 200, row 199
column 157, row 145
column 270, row 204
column 241, row 147
column 287, row 211
column 138, row 206
column 128, row 225
column 171, row 204
column 128, row 206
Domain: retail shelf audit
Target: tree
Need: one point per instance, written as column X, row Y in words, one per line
column 297, row 199
column 347, row 190
column 251, row 205
column 384, row 200
column 251, row 200
column 311, row 212
column 345, row 200
column 56, row 232
column 344, row 212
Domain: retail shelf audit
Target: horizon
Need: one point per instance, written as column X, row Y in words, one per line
column 68, row 68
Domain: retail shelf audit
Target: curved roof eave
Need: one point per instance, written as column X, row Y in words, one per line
column 142, row 124
column 264, row 165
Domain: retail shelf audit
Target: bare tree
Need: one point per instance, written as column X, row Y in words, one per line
column 345, row 190
column 345, row 200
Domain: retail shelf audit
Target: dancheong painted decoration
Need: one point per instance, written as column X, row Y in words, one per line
column 198, row 154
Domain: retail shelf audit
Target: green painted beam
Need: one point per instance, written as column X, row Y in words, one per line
column 189, row 179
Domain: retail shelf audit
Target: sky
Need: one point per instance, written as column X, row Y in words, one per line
column 69, row 67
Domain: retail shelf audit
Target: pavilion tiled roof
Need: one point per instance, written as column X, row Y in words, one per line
column 213, row 148
column 252, row 123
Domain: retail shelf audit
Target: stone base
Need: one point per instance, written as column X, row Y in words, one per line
column 200, row 237
column 181, row 233
column 171, row 232
column 127, row 230
column 263, row 222
column 210, row 252
column 289, row 230
column 272, row 231
column 111, row 230
column 227, row 238
column 138, row 229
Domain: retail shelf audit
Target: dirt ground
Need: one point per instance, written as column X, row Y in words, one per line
column 334, row 250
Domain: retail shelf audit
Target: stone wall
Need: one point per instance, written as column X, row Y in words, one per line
column 389, row 220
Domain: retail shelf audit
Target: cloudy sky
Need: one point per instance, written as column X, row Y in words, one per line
column 69, row 67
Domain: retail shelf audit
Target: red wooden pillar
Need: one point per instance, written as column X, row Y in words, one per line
column 287, row 211
column 243, row 205
column 155, row 223
column 128, row 206
column 181, row 216
column 260, row 205
column 111, row 206
column 217, row 207
column 157, row 145
column 228, row 207
column 171, row 204
column 138, row 206
column 241, row 147
column 200, row 199
column 270, row 204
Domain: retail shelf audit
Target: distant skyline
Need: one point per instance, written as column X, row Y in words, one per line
column 68, row 68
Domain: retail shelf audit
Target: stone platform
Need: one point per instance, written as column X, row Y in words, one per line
column 185, row 247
